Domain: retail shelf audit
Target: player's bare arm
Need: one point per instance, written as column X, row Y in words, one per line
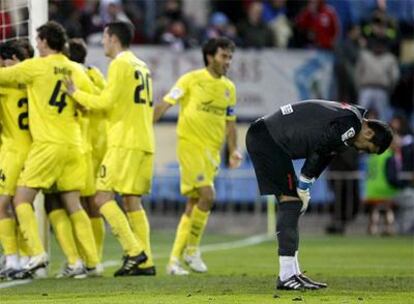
column 235, row 156
column 160, row 109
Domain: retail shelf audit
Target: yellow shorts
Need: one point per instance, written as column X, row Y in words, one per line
column 11, row 165
column 90, row 176
column 48, row 164
column 198, row 167
column 126, row 171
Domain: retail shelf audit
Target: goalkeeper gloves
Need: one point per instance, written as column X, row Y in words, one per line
column 303, row 190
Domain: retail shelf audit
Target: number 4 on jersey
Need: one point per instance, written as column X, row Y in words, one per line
column 61, row 103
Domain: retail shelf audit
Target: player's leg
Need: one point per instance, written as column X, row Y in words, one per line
column 23, row 201
column 98, row 228
column 11, row 163
column 137, row 168
column 8, row 237
column 138, row 221
column 69, row 184
column 181, row 235
column 62, row 227
column 81, row 226
column 109, row 174
column 198, row 222
column 116, row 218
column 276, row 176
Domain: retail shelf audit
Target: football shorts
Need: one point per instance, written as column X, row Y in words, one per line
column 11, row 164
column 198, row 167
column 126, row 171
column 90, row 176
column 50, row 164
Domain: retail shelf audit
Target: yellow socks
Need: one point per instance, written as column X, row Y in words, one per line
column 98, row 228
column 181, row 236
column 64, row 234
column 121, row 229
column 8, row 235
column 29, row 228
column 84, row 236
column 198, row 221
column 23, row 248
column 141, row 228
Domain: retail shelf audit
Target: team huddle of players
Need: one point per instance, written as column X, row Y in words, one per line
column 81, row 139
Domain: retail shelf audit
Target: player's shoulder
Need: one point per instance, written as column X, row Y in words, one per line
column 192, row 75
column 228, row 82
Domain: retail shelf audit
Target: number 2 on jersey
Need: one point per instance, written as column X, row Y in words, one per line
column 22, row 118
column 61, row 103
column 144, row 86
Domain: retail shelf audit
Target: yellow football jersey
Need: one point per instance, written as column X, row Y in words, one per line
column 128, row 102
column 206, row 103
column 52, row 113
column 97, row 118
column 14, row 116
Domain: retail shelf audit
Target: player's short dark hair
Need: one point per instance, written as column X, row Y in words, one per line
column 54, row 34
column 383, row 134
column 213, row 44
column 11, row 48
column 77, row 50
column 27, row 47
column 124, row 31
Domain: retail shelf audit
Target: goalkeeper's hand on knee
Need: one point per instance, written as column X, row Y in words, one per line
column 303, row 190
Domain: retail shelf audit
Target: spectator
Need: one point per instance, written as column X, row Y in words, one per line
column 400, row 173
column 274, row 15
column 171, row 12
column 253, row 31
column 176, row 36
column 345, row 186
column 220, row 26
column 347, row 53
column 319, row 24
column 376, row 74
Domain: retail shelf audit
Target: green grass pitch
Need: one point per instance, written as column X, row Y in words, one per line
column 358, row 270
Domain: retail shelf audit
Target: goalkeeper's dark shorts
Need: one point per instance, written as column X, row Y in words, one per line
column 273, row 166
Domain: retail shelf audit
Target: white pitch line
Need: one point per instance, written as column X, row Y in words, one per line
column 253, row 240
column 14, row 283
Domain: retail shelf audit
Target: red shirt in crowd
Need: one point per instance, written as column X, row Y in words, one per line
column 321, row 25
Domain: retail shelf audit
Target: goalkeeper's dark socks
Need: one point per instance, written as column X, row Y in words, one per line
column 287, row 227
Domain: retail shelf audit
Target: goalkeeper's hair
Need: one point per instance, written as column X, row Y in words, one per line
column 383, row 134
column 213, row 44
column 54, row 34
column 77, row 50
column 11, row 48
column 124, row 31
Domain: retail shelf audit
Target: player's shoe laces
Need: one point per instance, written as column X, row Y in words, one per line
column 130, row 262
column 36, row 262
column 76, row 271
column 294, row 283
column 175, row 268
column 195, row 262
column 310, row 281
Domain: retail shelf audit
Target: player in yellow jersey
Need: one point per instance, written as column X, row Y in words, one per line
column 94, row 139
column 55, row 156
column 207, row 99
column 16, row 141
column 128, row 162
